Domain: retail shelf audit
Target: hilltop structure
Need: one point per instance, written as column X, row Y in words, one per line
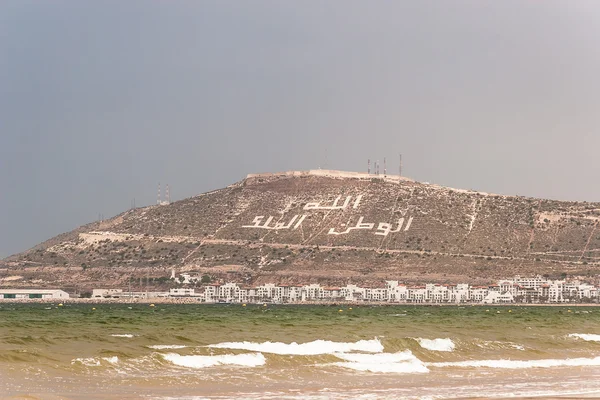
column 327, row 227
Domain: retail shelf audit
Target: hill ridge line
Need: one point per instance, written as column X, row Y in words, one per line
column 332, row 225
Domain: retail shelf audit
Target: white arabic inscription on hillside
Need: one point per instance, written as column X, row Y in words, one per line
column 278, row 225
column 383, row 228
column 335, row 206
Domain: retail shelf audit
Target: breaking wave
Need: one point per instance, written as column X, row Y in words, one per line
column 167, row 346
column 520, row 364
column 95, row 362
column 498, row 345
column 586, row 336
column 401, row 362
column 437, row 344
column 125, row 335
column 245, row 360
column 310, row 348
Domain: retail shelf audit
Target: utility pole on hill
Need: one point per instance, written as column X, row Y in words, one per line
column 400, row 166
column 384, row 168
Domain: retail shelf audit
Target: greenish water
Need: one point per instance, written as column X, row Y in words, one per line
column 224, row 351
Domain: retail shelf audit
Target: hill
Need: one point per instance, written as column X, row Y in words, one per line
column 322, row 226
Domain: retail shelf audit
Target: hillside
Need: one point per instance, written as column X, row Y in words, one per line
column 322, row 226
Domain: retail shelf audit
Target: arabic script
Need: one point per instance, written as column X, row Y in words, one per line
column 278, row 225
column 335, row 206
column 383, row 229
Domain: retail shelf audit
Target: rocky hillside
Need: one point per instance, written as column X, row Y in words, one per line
column 322, row 226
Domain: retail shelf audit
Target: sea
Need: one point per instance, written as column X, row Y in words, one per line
column 265, row 351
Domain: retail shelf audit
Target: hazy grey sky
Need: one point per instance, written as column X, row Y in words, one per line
column 100, row 101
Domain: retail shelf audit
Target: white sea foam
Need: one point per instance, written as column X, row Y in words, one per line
column 88, row 362
column 520, row 364
column 499, row 345
column 167, row 346
column 586, row 336
column 245, row 360
column 126, row 335
column 401, row 362
column 437, row 344
column 95, row 362
column 310, row 348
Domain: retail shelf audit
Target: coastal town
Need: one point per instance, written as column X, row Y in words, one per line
column 514, row 290
column 531, row 290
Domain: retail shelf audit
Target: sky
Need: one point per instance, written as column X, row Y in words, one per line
column 101, row 101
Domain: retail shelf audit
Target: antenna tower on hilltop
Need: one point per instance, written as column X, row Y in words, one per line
column 167, row 199
column 384, row 168
column 400, row 166
column 369, row 166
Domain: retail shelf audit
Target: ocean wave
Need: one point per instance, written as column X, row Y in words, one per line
column 521, row 364
column 195, row 361
column 486, row 344
column 310, row 348
column 124, row 335
column 167, row 346
column 586, row 336
column 401, row 362
column 438, row 344
column 95, row 362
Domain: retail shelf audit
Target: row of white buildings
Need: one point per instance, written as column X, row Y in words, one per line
column 515, row 290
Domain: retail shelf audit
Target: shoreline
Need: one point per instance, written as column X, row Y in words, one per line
column 191, row 300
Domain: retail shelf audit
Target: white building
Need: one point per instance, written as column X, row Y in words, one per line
column 295, row 293
column 460, row 293
column 437, row 293
column 228, row 292
column 14, row 294
column 376, row 294
column 397, row 293
column 311, row 292
column 418, row 294
column 180, row 292
column 211, row 293
column 586, row 291
column 478, row 293
column 535, row 282
column 267, row 292
column 495, row 297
